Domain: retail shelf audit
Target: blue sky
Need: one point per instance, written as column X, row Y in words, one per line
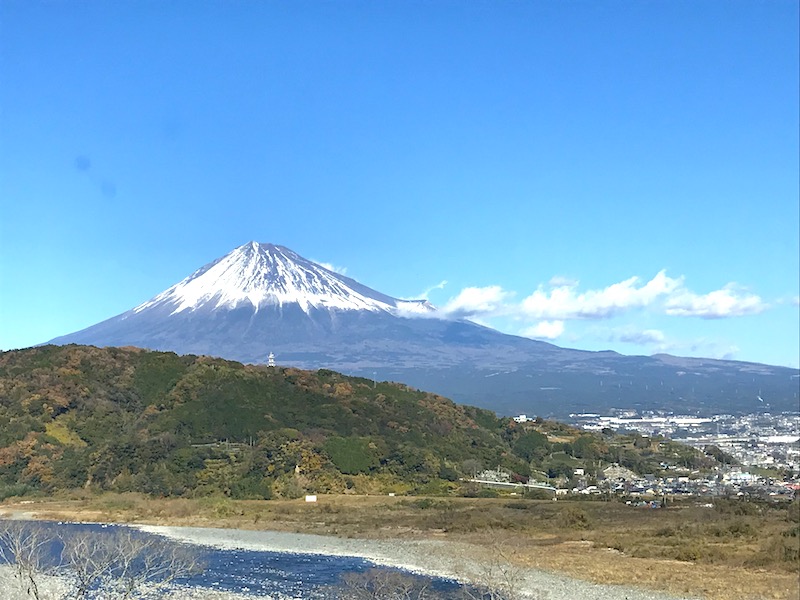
column 617, row 175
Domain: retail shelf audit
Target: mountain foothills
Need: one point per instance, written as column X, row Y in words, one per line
column 262, row 298
column 129, row 419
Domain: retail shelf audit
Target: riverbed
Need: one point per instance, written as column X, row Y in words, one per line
column 443, row 559
column 253, row 564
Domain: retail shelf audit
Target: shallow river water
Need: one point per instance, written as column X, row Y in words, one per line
column 258, row 573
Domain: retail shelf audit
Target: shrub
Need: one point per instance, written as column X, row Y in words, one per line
column 688, row 552
column 488, row 493
column 428, row 503
column 17, row 489
column 573, row 517
column 351, row 455
column 793, row 512
column 252, row 487
column 520, row 505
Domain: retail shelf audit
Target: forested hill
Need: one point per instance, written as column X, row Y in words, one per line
column 131, row 419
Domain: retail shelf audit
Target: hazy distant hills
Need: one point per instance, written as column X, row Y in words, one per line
column 261, row 299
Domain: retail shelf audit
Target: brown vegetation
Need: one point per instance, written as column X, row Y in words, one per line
column 734, row 550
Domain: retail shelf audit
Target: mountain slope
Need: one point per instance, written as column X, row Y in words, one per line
column 261, row 299
column 130, row 419
column 265, row 275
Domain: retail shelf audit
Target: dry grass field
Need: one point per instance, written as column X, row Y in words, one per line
column 734, row 550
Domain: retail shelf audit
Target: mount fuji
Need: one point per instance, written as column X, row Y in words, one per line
column 265, row 275
column 263, row 298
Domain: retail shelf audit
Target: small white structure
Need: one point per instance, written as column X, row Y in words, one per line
column 522, row 419
column 311, row 498
column 271, row 360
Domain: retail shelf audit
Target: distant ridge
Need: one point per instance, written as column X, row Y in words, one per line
column 265, row 298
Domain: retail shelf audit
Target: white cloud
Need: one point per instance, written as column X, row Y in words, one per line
column 659, row 342
column 699, row 347
column 730, row 353
column 561, row 281
column 609, row 313
column 334, row 269
column 727, row 302
column 643, row 338
column 543, row 314
column 565, row 302
column 425, row 295
column 708, row 348
column 475, row 301
column 544, row 330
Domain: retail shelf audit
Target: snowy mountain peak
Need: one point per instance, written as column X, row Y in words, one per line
column 258, row 275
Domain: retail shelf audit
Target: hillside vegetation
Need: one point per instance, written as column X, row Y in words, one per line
column 125, row 419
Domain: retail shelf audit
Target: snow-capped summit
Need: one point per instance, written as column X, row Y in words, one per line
column 262, row 300
column 258, row 275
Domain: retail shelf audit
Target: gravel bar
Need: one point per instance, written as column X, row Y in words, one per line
column 437, row 558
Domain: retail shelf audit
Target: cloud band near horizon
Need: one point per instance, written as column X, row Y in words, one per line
column 547, row 308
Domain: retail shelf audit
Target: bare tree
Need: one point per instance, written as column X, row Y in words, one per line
column 26, row 548
column 381, row 584
column 125, row 564
column 88, row 560
column 147, row 565
column 112, row 564
column 496, row 580
column 497, row 576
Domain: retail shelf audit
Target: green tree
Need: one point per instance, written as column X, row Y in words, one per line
column 351, row 455
column 532, row 445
